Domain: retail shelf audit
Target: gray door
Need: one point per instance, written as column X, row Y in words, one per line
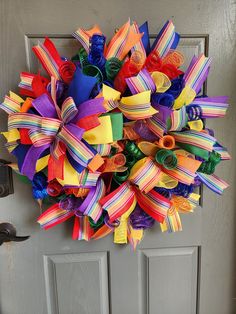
column 189, row 272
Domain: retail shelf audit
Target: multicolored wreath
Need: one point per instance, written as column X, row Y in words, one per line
column 115, row 137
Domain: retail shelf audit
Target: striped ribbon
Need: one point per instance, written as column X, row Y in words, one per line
column 139, row 45
column 87, row 178
column 156, row 125
column 83, row 35
column 167, row 39
column 49, row 57
column 224, row 155
column 49, row 126
column 138, row 106
column 141, row 82
column 119, row 201
column 212, row 107
column 178, row 119
column 145, row 174
column 197, row 72
column 78, row 150
column 54, row 216
column 195, row 138
column 172, row 222
column 154, row 204
column 11, row 104
column 213, row 182
column 93, row 208
column 122, row 42
column 103, row 149
column 185, row 171
column 25, row 84
column 82, row 229
column 68, row 110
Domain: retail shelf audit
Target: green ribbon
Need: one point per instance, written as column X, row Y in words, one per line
column 133, row 150
column 167, row 158
column 112, row 68
column 82, row 57
column 92, row 70
column 120, row 177
column 97, row 224
column 209, row 166
column 116, row 124
column 130, row 161
column 195, row 150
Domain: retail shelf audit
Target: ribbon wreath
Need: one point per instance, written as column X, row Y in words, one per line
column 120, row 129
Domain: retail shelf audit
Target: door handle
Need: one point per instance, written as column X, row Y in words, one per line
column 8, row 233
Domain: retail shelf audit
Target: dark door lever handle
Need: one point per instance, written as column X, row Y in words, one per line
column 8, row 234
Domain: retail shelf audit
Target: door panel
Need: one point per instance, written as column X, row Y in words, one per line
column 69, row 278
column 50, row 273
column 168, row 274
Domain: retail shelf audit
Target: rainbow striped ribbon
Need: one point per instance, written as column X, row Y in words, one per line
column 212, row 107
column 25, row 84
column 82, row 229
column 145, row 174
column 172, row 222
column 78, row 149
column 185, row 171
column 54, row 216
column 10, row 105
column 195, row 138
column 117, row 43
column 179, row 119
column 39, row 139
column 154, row 204
column 181, row 174
column 141, row 82
column 167, row 39
column 197, row 72
column 68, row 110
column 48, row 126
column 213, row 182
column 87, row 178
column 156, row 125
column 93, row 207
column 83, row 35
column 139, row 45
column 122, row 42
column 119, row 201
column 50, row 64
column 224, row 155
column 102, row 149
